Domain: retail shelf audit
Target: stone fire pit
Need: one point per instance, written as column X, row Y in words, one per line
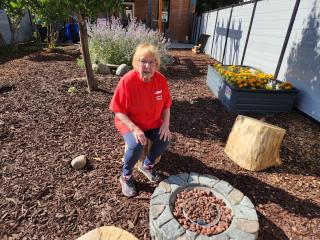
column 164, row 225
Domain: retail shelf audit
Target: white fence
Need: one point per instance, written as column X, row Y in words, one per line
column 281, row 37
column 24, row 32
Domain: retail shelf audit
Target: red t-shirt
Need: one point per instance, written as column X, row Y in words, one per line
column 143, row 102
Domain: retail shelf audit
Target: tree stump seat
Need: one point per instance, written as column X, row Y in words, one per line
column 107, row 233
column 253, row 144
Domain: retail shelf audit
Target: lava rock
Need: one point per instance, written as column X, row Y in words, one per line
column 79, row 162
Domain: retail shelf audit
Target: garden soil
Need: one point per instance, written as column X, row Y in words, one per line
column 43, row 127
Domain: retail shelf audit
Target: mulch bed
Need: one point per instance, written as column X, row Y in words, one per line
column 43, row 127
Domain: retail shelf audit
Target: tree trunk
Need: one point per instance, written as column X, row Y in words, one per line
column 92, row 84
column 253, row 144
column 13, row 41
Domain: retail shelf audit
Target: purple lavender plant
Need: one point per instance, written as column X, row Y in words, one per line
column 111, row 43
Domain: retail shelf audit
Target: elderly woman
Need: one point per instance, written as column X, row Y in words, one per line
column 141, row 103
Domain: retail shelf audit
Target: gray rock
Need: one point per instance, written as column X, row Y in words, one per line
column 79, row 162
column 103, row 69
column 122, row 70
column 95, row 67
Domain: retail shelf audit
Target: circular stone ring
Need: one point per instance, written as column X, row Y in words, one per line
column 164, row 226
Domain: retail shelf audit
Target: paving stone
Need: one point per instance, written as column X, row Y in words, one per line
column 247, row 226
column 243, row 212
column 165, row 217
column 165, row 186
column 192, row 235
column 208, row 180
column 172, row 229
column 156, row 210
column 193, row 178
column 162, row 199
column 183, row 176
column 184, row 237
column 221, row 236
column 157, row 192
column 247, row 202
column 223, row 187
column 176, row 180
column 174, row 187
column 235, row 196
column 237, row 234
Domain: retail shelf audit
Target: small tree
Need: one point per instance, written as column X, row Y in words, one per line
column 84, row 9
column 15, row 10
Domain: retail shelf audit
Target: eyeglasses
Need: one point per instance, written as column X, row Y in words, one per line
column 144, row 62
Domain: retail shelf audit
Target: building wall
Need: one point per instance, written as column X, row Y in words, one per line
column 141, row 10
column 179, row 19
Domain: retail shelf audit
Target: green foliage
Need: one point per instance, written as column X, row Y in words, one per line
column 80, row 63
column 15, row 10
column 205, row 5
column 72, row 90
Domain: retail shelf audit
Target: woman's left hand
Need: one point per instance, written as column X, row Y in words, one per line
column 164, row 132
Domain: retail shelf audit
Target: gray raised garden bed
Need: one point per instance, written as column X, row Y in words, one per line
column 245, row 100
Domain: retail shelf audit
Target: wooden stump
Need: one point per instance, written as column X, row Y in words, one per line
column 253, row 144
column 145, row 152
column 108, row 233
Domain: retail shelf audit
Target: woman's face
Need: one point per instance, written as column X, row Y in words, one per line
column 146, row 67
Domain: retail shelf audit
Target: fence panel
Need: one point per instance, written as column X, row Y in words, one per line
column 301, row 62
column 238, row 30
column 210, row 31
column 221, row 33
column 267, row 35
column 5, row 27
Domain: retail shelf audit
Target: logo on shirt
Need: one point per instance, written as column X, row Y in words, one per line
column 158, row 95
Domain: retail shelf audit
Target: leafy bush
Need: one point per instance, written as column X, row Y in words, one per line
column 111, row 43
column 245, row 77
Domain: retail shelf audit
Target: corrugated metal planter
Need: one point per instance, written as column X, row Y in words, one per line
column 239, row 100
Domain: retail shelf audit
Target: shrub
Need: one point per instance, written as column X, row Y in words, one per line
column 245, row 77
column 114, row 44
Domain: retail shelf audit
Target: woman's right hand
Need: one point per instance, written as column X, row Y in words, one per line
column 139, row 136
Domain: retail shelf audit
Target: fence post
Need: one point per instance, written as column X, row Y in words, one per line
column 225, row 44
column 214, row 31
column 286, row 40
column 249, row 31
column 199, row 29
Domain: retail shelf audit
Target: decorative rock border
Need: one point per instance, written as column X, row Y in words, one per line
column 164, row 226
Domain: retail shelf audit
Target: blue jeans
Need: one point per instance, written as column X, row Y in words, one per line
column 134, row 150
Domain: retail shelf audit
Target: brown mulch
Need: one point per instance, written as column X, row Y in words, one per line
column 43, row 127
